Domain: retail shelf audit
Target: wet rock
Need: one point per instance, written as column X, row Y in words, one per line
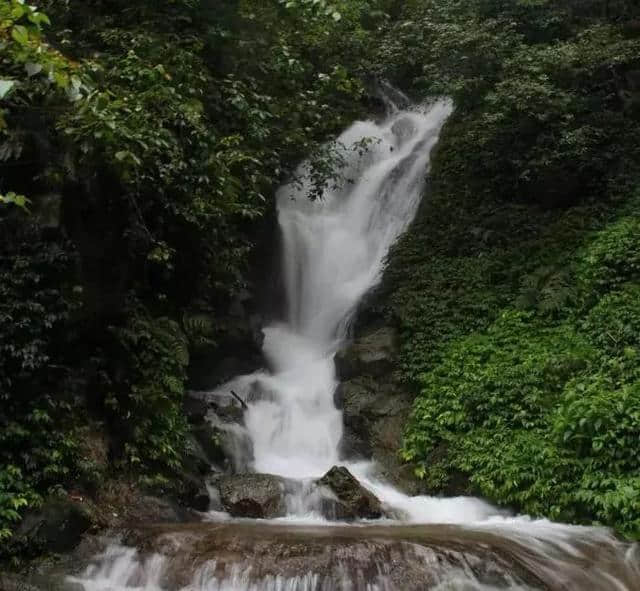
column 229, row 413
column 209, row 439
column 191, row 484
column 338, row 396
column 121, row 504
column 270, row 556
column 196, row 460
column 352, row 500
column 403, row 129
column 372, row 354
column 194, row 493
column 237, row 447
column 195, row 408
column 375, row 413
column 368, row 405
column 239, row 336
column 159, row 510
column 258, row 392
column 58, row 526
column 15, row 583
column 260, row 496
column 354, row 447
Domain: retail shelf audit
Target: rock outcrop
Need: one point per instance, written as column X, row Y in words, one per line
column 375, row 406
column 372, row 354
column 259, row 496
column 218, row 432
column 352, row 501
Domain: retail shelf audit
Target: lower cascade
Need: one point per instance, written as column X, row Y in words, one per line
column 292, row 535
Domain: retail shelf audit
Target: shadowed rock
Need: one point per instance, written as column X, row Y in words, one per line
column 58, row 526
column 371, row 354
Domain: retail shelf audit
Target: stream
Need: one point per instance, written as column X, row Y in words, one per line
column 334, row 250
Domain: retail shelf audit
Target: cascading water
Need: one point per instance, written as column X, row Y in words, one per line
column 333, row 253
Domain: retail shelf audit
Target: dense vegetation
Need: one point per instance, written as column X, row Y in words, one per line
column 517, row 290
column 140, row 145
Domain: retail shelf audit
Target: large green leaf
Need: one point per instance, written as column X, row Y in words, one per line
column 5, row 87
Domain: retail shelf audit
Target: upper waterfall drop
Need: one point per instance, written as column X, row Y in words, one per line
column 333, row 252
column 334, row 247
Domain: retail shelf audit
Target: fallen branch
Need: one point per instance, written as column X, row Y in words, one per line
column 242, row 402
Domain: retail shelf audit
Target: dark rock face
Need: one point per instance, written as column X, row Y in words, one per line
column 58, row 526
column 375, row 411
column 218, row 438
column 259, row 496
column 209, row 439
column 237, row 447
column 375, row 407
column 372, row 354
column 352, row 500
column 194, row 494
column 195, row 408
column 207, row 372
column 229, row 413
column 121, row 504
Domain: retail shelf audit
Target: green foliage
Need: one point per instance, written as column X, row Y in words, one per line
column 159, row 132
column 538, row 419
column 613, row 258
column 157, row 354
column 516, row 290
column 546, row 92
column 39, row 413
column 199, row 330
column 15, row 495
column 11, row 198
column 537, row 406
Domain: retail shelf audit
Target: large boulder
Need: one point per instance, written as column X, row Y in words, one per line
column 259, row 496
column 372, row 354
column 352, row 500
column 122, row 503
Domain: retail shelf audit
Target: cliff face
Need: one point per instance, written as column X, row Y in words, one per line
column 375, row 405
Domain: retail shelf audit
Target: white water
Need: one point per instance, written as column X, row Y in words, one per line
column 333, row 253
column 123, row 568
column 334, row 250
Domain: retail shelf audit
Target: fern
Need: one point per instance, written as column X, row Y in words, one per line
column 169, row 333
column 547, row 289
column 199, row 329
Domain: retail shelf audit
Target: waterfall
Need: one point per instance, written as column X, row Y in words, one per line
column 333, row 252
